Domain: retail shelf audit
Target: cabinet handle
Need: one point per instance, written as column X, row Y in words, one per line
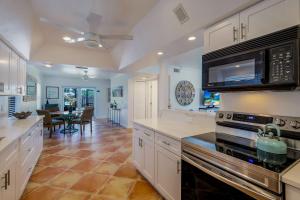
column 141, row 143
column 147, row 134
column 243, row 31
column 178, row 166
column 5, row 181
column 234, row 34
column 8, row 177
column 166, row 143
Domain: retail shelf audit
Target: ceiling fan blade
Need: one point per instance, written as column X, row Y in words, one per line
column 94, row 21
column 60, row 26
column 116, row 37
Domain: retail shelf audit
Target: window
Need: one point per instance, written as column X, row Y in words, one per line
column 11, row 106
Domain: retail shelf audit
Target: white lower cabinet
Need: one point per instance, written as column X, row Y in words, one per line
column 157, row 157
column 167, row 173
column 18, row 161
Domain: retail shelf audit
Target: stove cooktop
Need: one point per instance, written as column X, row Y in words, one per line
column 238, row 147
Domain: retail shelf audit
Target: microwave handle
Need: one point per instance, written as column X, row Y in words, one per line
column 264, row 74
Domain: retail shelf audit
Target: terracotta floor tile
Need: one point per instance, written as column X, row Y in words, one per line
column 74, row 196
column 67, row 151
column 127, row 170
column 46, row 174
column 102, row 197
column 30, row 187
column 82, row 153
column 43, row 193
column 66, row 179
column 117, row 188
column 67, row 162
column 49, row 160
column 100, row 155
column 107, row 168
column 143, row 191
column 38, row 168
column 118, row 157
column 90, row 183
column 86, row 165
column 53, row 150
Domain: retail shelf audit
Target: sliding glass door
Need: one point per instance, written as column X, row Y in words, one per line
column 78, row 97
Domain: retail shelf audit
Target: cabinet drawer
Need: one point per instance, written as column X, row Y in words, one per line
column 9, row 153
column 26, row 137
column 168, row 143
column 144, row 132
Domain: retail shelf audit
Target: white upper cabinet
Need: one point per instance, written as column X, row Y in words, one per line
column 13, row 73
column 263, row 18
column 223, row 34
column 4, row 70
column 267, row 17
column 22, row 77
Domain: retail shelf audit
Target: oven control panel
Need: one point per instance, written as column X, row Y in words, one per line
column 281, row 64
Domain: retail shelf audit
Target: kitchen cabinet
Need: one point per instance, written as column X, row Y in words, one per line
column 291, row 192
column 261, row 19
column 12, row 72
column 267, row 17
column 4, row 70
column 223, row 34
column 144, row 152
column 8, row 172
column 22, row 77
column 168, row 176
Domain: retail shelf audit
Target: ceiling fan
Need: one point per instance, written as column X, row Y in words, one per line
column 85, row 75
column 90, row 38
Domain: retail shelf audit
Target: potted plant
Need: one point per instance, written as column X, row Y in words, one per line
column 71, row 101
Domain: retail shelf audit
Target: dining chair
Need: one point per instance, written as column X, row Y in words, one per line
column 85, row 118
column 50, row 122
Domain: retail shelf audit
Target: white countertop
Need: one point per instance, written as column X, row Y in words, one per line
column 292, row 177
column 12, row 129
column 175, row 129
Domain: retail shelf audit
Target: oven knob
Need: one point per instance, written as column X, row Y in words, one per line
column 221, row 115
column 279, row 122
column 295, row 124
column 228, row 152
column 229, row 116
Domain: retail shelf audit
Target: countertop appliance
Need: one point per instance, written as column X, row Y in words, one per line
column 224, row 164
column 267, row 62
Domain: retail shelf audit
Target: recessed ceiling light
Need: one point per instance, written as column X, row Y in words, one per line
column 80, row 39
column 192, row 38
column 100, row 45
column 48, row 65
column 237, row 66
column 160, row 53
column 66, row 38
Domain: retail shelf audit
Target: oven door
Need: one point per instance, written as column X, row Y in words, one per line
column 203, row 181
column 239, row 71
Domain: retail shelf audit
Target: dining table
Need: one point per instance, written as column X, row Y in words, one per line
column 68, row 117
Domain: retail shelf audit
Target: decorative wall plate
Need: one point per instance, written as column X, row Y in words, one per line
column 185, row 93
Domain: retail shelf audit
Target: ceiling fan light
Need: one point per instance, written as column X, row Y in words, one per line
column 80, row 39
column 100, row 45
column 66, row 38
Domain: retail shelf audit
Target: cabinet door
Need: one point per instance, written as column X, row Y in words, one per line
column 13, row 75
column 167, row 173
column 22, row 77
column 267, row 17
column 138, row 152
column 223, row 34
column 148, row 169
column 4, row 69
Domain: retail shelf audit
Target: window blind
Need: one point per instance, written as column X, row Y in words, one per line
column 11, row 106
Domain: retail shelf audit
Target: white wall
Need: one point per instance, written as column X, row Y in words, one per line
column 101, row 103
column 16, row 20
column 265, row 102
column 190, row 65
column 116, row 81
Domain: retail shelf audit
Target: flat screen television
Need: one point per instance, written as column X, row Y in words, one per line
column 211, row 98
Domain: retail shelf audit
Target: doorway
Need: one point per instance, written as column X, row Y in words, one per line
column 145, row 99
column 79, row 97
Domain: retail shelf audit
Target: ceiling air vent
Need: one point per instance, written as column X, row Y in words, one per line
column 176, row 70
column 181, row 14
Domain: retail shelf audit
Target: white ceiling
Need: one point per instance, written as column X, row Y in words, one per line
column 70, row 71
column 118, row 16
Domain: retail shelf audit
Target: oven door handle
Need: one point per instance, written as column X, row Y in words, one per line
column 230, row 179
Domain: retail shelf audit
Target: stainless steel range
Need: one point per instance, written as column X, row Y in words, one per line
column 224, row 164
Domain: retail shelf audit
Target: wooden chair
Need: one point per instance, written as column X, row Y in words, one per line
column 49, row 122
column 85, row 118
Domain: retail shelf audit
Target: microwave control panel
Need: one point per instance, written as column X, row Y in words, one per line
column 281, row 64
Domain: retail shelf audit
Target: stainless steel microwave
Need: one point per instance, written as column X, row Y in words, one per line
column 268, row 62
